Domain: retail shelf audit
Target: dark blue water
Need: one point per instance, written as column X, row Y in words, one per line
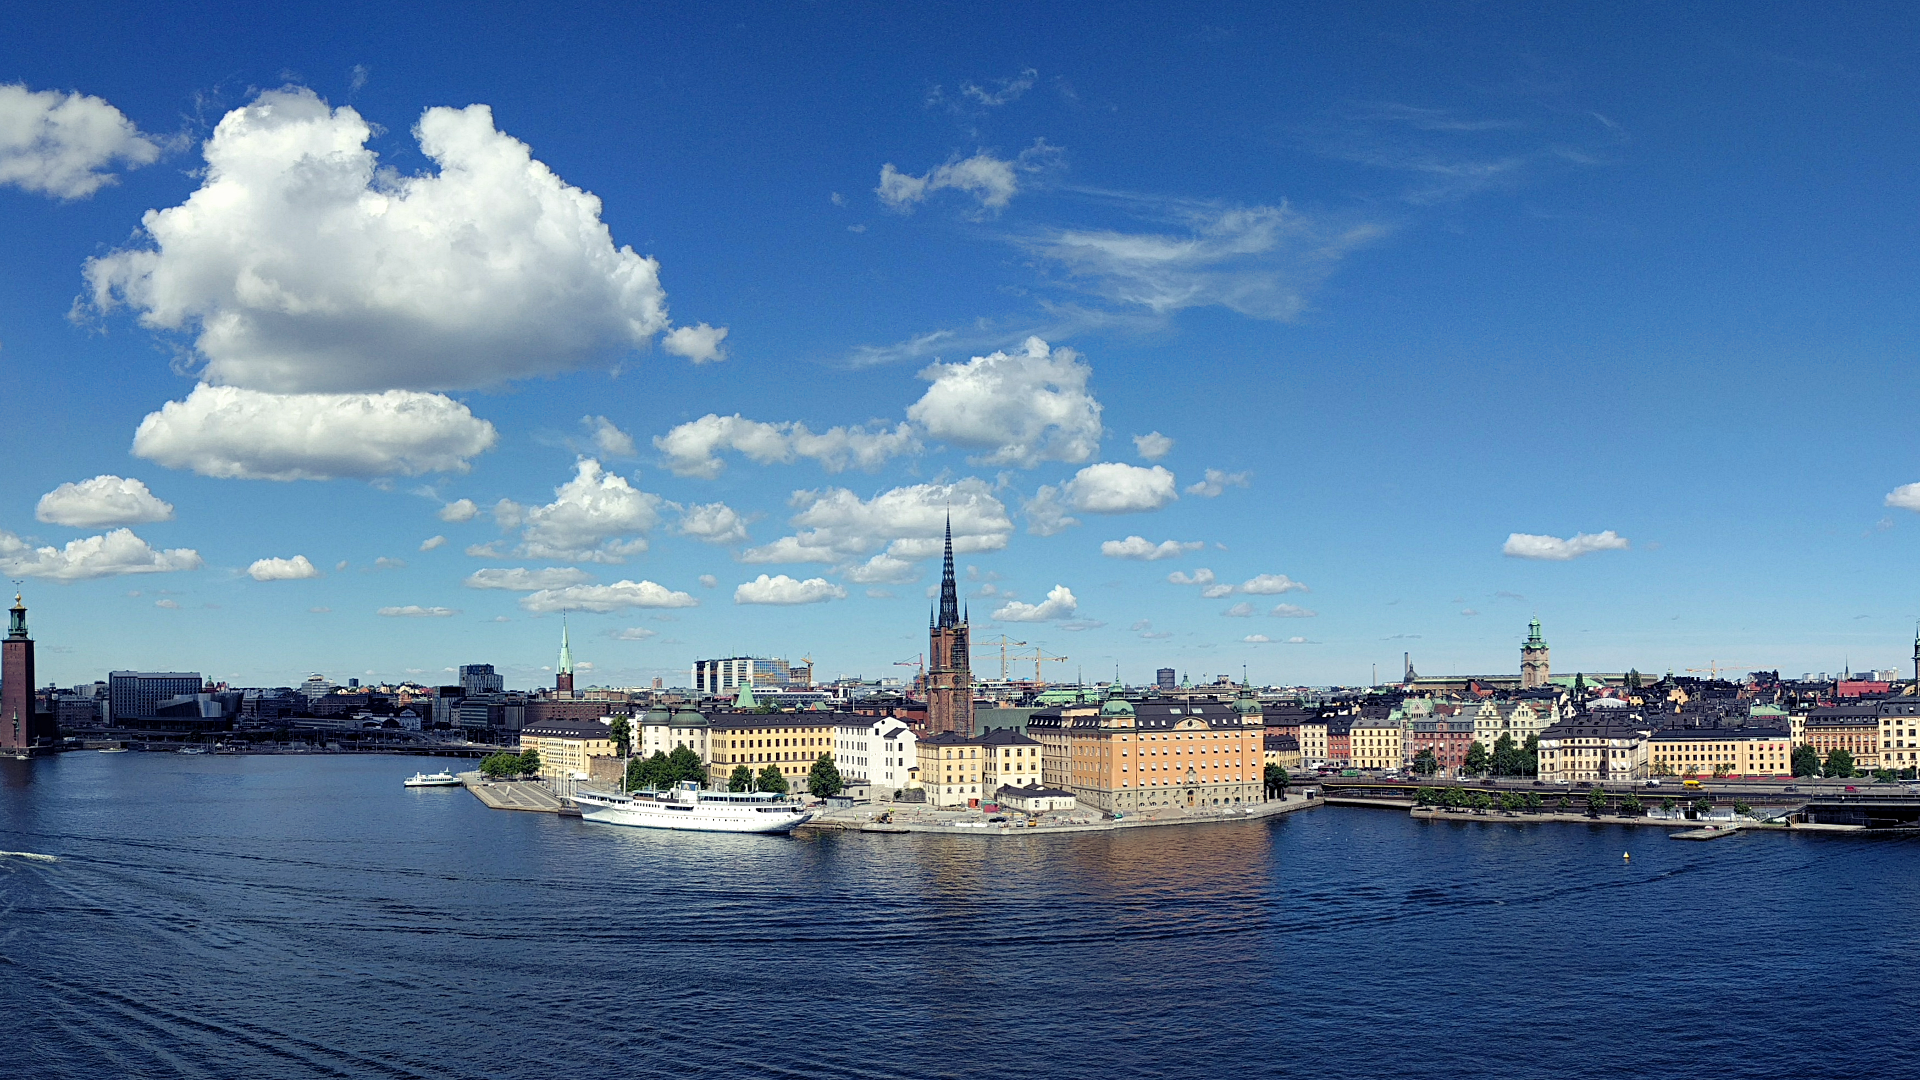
column 280, row 917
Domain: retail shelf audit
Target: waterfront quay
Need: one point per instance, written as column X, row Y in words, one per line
column 1824, row 803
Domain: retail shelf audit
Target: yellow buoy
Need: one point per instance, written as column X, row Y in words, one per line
column 1627, row 855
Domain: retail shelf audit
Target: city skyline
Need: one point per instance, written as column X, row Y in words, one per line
column 372, row 354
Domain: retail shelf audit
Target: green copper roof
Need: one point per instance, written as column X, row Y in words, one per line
column 745, row 699
column 566, row 653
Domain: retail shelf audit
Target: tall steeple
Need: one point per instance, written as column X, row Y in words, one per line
column 949, row 588
column 563, row 672
column 17, row 728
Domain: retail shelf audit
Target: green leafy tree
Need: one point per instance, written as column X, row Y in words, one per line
column 823, row 780
column 1477, row 762
column 1534, row 801
column 1740, row 807
column 1840, row 764
column 1806, row 761
column 1530, row 756
column 529, row 762
column 1276, row 779
column 1596, row 800
column 1668, row 804
column 741, row 779
column 1456, row 798
column 622, row 736
column 1426, row 796
column 499, row 766
column 1703, row 806
column 772, row 779
column 1566, row 802
column 652, row 774
column 1630, row 804
column 1425, row 763
column 1633, row 679
column 684, row 764
column 634, row 780
column 1512, row 800
column 1482, row 801
column 1506, row 755
column 1883, row 776
column 1721, row 770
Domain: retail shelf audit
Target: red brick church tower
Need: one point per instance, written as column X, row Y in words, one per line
column 949, row 669
column 16, row 681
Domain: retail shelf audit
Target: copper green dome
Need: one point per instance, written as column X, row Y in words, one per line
column 1117, row 706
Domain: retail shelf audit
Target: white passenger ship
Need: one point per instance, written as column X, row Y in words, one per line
column 688, row 808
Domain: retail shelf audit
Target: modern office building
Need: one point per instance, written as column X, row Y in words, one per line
column 480, row 679
column 1165, row 679
column 135, row 695
column 726, row 676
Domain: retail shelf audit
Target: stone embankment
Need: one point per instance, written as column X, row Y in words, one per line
column 514, row 794
column 919, row 818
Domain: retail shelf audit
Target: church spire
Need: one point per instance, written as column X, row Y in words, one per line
column 949, row 588
column 566, row 653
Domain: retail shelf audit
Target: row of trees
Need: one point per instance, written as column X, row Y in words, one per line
column 508, row 766
column 664, row 770
column 1507, row 758
column 1454, row 798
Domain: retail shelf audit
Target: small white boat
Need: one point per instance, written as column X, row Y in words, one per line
column 439, row 779
column 687, row 808
column 113, row 750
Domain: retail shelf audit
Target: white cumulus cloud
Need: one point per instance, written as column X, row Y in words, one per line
column 604, row 598
column 1153, row 446
column 1241, row 610
column 1217, row 482
column 1059, row 604
column 608, row 439
column 1291, row 611
column 103, row 500
column 62, row 144
column 1202, row 576
column 1257, row 639
column 432, row 542
column 239, row 434
column 521, row 579
column 1139, row 547
column 415, row 611
column 1022, row 408
column 633, row 633
column 692, row 448
column 1905, row 497
column 1271, row 585
column 302, row 264
column 712, row 523
column 701, row 343
column 1531, row 546
column 906, row 524
column 993, row 181
column 781, row 589
column 586, row 519
column 295, row 569
column 115, row 553
column 459, row 511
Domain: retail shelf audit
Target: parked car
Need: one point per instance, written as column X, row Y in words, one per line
column 1850, row 787
column 1539, row 783
column 1655, row 782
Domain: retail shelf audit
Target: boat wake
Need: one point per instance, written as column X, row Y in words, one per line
column 29, row 855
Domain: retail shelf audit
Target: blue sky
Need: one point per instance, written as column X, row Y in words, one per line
column 1443, row 316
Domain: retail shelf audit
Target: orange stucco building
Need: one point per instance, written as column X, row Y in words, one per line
column 1132, row 756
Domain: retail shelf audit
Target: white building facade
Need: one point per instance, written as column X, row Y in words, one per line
column 878, row 751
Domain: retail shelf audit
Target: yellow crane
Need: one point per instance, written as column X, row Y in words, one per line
column 1714, row 668
column 1003, row 643
column 1040, row 655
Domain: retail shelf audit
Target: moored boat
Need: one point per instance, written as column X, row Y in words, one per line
column 439, row 779
column 688, row 808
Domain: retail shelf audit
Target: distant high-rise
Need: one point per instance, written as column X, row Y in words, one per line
column 563, row 674
column 16, row 681
column 135, row 695
column 1166, row 679
column 1535, row 666
column 480, row 679
column 949, row 666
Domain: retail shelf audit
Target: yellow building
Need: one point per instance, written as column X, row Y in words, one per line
column 951, row 769
column 1899, row 744
column 790, row 742
column 1377, row 743
column 1597, row 748
column 1720, row 752
column 1853, row 728
column 1007, row 759
column 1281, row 750
column 1158, row 754
column 565, row 745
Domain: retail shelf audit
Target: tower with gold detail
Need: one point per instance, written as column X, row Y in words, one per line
column 949, row 667
column 1535, row 666
column 16, row 681
column 563, row 671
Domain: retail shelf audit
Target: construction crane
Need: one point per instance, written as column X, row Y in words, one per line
column 1003, row 643
column 1714, row 668
column 807, row 660
column 1040, row 655
column 918, row 663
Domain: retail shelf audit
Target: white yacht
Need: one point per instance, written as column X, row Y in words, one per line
column 439, row 779
column 691, row 809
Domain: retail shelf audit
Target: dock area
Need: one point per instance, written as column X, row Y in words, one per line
column 530, row 795
column 920, row 818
